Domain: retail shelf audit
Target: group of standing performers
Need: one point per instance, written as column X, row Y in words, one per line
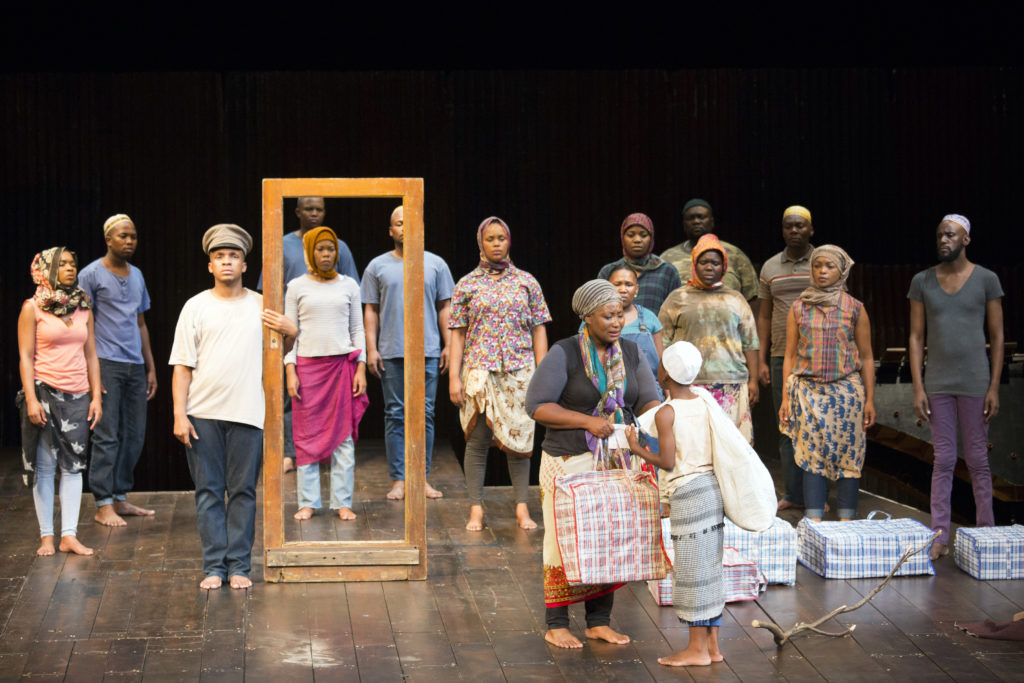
column 678, row 333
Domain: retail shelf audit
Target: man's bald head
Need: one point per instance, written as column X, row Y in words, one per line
column 311, row 212
column 397, row 228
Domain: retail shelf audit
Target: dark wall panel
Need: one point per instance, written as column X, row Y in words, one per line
column 879, row 155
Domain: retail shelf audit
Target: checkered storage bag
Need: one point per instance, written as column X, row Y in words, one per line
column 862, row 548
column 995, row 552
column 608, row 527
column 774, row 550
column 743, row 579
column 661, row 589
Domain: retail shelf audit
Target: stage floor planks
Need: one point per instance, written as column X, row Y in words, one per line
column 134, row 612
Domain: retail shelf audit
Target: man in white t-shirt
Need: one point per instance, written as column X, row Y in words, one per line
column 218, row 403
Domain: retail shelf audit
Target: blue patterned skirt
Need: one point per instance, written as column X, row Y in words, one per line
column 826, row 424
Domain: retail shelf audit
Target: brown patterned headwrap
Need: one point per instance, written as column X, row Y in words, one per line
column 51, row 296
column 828, row 296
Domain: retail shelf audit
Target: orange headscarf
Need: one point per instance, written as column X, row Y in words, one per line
column 707, row 242
column 309, row 241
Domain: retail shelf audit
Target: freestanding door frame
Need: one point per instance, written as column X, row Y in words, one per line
column 345, row 560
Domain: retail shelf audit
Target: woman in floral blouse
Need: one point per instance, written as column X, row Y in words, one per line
column 498, row 338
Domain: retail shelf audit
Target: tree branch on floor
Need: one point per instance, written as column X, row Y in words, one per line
column 781, row 637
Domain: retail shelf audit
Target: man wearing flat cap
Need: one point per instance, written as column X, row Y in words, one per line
column 217, row 387
column 956, row 301
column 699, row 220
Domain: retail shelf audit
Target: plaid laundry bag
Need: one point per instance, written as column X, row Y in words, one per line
column 995, row 552
column 607, row 524
column 774, row 550
column 743, row 579
column 862, row 548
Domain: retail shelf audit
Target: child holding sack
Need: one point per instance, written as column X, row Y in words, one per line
column 682, row 425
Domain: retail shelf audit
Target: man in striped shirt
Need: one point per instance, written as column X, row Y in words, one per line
column 783, row 277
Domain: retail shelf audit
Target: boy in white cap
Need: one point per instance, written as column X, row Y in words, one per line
column 218, row 403
column 682, row 425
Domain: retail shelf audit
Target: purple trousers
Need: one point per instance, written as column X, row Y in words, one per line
column 947, row 412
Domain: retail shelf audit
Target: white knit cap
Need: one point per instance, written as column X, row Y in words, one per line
column 682, row 360
column 959, row 220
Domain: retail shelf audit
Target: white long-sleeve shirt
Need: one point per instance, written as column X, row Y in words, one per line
column 329, row 315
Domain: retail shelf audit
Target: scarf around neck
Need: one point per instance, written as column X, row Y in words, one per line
column 610, row 381
column 648, row 261
column 828, row 296
column 493, row 267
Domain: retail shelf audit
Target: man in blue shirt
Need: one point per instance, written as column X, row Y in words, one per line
column 120, row 299
column 383, row 320
column 311, row 212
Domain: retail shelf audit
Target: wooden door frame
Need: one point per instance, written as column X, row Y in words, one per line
column 345, row 560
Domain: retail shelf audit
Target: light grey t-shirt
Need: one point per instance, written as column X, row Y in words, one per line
column 955, row 331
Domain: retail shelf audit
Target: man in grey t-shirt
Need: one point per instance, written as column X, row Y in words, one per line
column 956, row 301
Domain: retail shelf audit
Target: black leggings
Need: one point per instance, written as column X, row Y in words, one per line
column 599, row 613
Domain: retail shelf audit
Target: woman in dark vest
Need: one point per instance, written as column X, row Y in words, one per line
column 584, row 385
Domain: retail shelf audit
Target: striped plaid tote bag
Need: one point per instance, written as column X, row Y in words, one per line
column 608, row 527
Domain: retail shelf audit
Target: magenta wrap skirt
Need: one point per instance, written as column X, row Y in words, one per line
column 327, row 414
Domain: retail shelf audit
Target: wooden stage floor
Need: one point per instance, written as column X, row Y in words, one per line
column 134, row 611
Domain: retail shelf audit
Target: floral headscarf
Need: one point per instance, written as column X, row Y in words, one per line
column 309, row 241
column 828, row 296
column 707, row 242
column 51, row 296
column 486, row 265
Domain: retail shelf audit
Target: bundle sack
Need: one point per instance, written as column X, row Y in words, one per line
column 743, row 578
column 862, row 548
column 774, row 549
column 748, row 493
column 987, row 553
column 608, row 528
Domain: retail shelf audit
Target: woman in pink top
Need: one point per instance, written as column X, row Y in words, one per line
column 60, row 397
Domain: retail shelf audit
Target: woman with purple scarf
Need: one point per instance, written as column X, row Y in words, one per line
column 497, row 321
column 586, row 384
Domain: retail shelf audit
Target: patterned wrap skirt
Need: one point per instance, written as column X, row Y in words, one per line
column 735, row 401
column 501, row 398
column 698, row 532
column 558, row 591
column 826, row 424
column 67, row 423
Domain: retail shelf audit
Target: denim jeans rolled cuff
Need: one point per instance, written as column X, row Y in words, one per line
column 343, row 467
column 118, row 438
column 717, row 621
column 393, row 387
column 598, row 610
column 816, row 493
column 792, row 475
column 225, row 459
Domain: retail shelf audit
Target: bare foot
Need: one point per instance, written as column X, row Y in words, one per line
column 210, row 583
column 123, row 507
column 397, row 491
column 713, row 651
column 45, row 546
column 476, row 518
column 288, row 465
column 240, row 581
column 606, row 634
column 431, row 491
column 71, row 544
column 523, row 517
column 107, row 516
column 561, row 637
column 346, row 514
column 303, row 513
column 687, row 657
column 789, row 505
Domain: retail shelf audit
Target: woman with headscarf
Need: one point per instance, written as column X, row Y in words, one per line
column 656, row 279
column 326, row 374
column 497, row 321
column 829, row 370
column 586, row 384
column 718, row 321
column 61, row 396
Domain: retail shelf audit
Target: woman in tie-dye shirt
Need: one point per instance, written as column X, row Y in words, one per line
column 498, row 337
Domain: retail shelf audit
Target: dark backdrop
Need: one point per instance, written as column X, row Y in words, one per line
column 877, row 154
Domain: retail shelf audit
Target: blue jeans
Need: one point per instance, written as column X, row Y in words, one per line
column 816, row 493
column 42, row 491
column 343, row 479
column 118, row 438
column 225, row 459
column 393, row 385
column 791, row 474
